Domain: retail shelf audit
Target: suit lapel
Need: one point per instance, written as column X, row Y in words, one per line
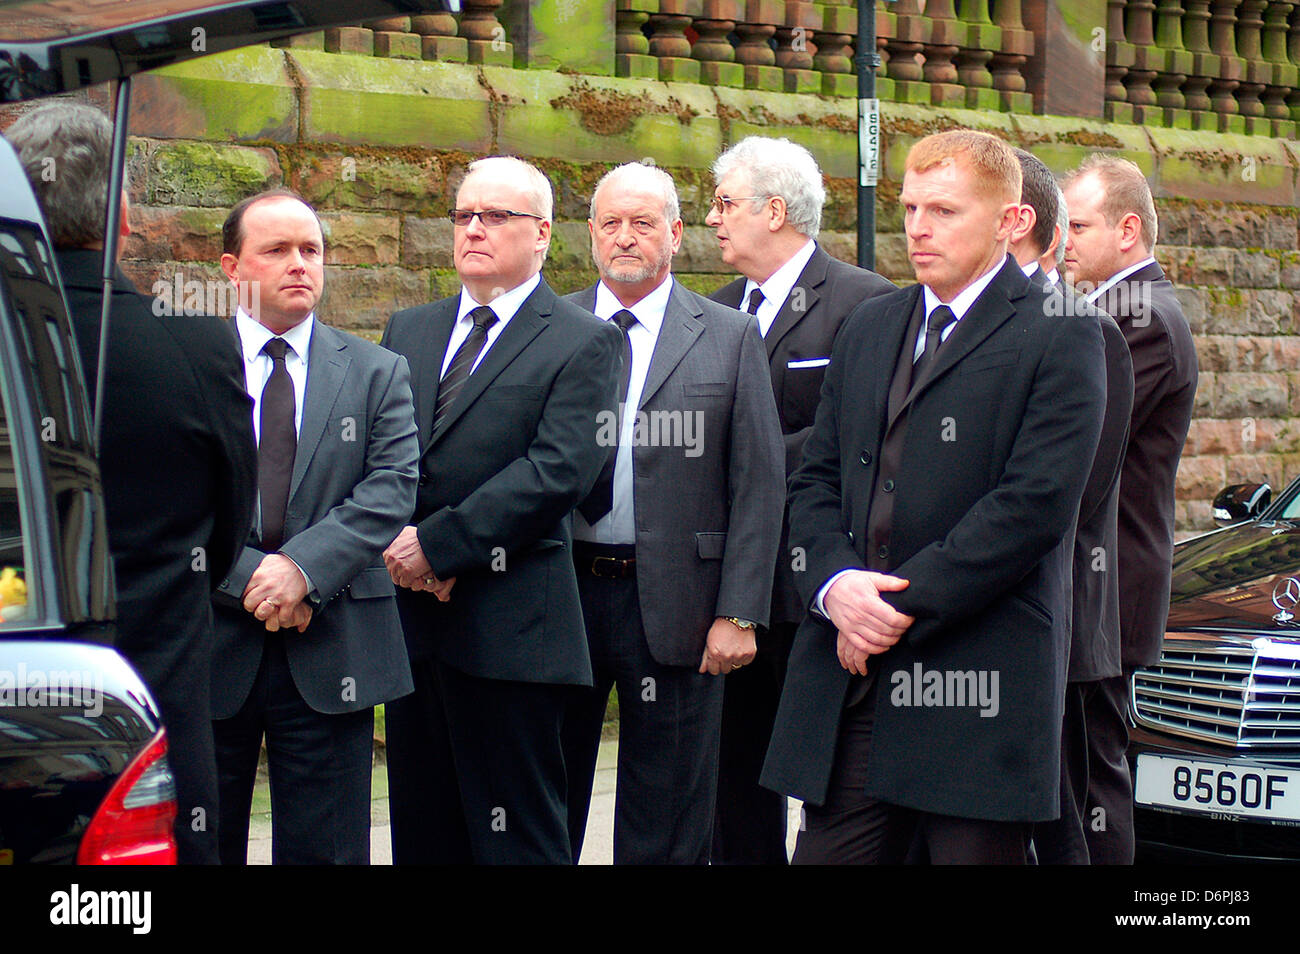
column 681, row 328
column 526, row 324
column 805, row 294
column 327, row 367
column 731, row 294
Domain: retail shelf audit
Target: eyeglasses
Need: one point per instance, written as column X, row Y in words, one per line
column 721, row 203
column 491, row 218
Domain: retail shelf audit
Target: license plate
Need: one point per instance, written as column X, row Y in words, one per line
column 1192, row 785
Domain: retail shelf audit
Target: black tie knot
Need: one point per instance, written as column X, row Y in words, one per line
column 276, row 348
column 483, row 316
column 755, row 300
column 624, row 319
column 940, row 319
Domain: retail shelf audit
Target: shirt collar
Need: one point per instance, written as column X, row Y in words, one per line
column 966, row 297
column 779, row 284
column 649, row 310
column 1053, row 277
column 504, row 305
column 253, row 336
column 1030, row 268
column 1119, row 277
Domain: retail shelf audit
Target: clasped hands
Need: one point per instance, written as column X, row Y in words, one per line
column 276, row 594
column 408, row 567
column 867, row 625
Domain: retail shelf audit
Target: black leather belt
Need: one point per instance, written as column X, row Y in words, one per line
column 610, row 562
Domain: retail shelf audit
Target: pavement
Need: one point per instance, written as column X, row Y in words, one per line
column 598, row 849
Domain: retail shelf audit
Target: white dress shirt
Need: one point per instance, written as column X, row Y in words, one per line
column 504, row 306
column 1117, row 278
column 777, row 288
column 258, row 364
column 1030, row 268
column 619, row 525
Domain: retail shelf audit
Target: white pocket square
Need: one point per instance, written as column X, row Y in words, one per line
column 810, row 363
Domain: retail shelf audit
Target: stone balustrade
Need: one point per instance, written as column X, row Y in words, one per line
column 1220, row 65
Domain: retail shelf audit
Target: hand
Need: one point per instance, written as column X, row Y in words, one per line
column 728, row 647
column 275, row 591
column 854, row 660
column 407, row 564
column 439, row 588
column 866, row 621
column 297, row 619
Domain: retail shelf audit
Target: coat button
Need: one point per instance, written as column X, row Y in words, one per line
column 888, row 486
column 424, row 481
column 883, row 553
column 866, row 457
column 850, row 536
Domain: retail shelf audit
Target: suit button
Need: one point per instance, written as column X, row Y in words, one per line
column 866, row 457
column 883, row 553
column 888, row 486
column 850, row 536
column 424, row 481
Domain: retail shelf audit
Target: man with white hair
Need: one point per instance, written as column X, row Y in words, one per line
column 508, row 381
column 676, row 543
column 767, row 209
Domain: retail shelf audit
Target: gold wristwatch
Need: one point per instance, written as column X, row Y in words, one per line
column 740, row 623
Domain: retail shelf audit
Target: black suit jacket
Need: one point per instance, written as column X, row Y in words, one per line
column 984, row 504
column 798, row 349
column 1094, row 621
column 709, row 552
column 351, row 492
column 1164, row 391
column 179, row 467
column 498, row 481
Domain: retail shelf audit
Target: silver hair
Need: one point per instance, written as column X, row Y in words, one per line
column 66, row 150
column 643, row 176
column 1063, row 221
column 779, row 167
column 527, row 176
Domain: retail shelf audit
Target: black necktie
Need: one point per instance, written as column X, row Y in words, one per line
column 601, row 499
column 276, row 446
column 940, row 319
column 755, row 299
column 458, row 371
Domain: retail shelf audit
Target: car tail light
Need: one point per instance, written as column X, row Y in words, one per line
column 133, row 825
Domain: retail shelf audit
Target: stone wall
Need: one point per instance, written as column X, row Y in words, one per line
column 379, row 145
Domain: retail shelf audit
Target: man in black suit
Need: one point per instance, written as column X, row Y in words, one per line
column 177, row 455
column 308, row 637
column 675, row 546
column 767, row 209
column 1094, row 619
column 922, row 710
column 1109, row 255
column 510, row 382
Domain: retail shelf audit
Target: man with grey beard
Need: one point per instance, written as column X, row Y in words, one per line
column 675, row 547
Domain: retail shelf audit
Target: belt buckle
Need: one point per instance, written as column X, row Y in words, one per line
column 615, row 573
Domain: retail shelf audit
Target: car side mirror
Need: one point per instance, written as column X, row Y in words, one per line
column 1241, row 502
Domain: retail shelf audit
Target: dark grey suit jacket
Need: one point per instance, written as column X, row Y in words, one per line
column 798, row 347
column 1094, row 620
column 498, row 480
column 352, row 492
column 708, row 516
column 1164, row 391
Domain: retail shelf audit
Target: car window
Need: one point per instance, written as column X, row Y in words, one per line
column 14, row 544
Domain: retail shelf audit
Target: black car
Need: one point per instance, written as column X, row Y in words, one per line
column 1215, row 747
column 83, row 767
